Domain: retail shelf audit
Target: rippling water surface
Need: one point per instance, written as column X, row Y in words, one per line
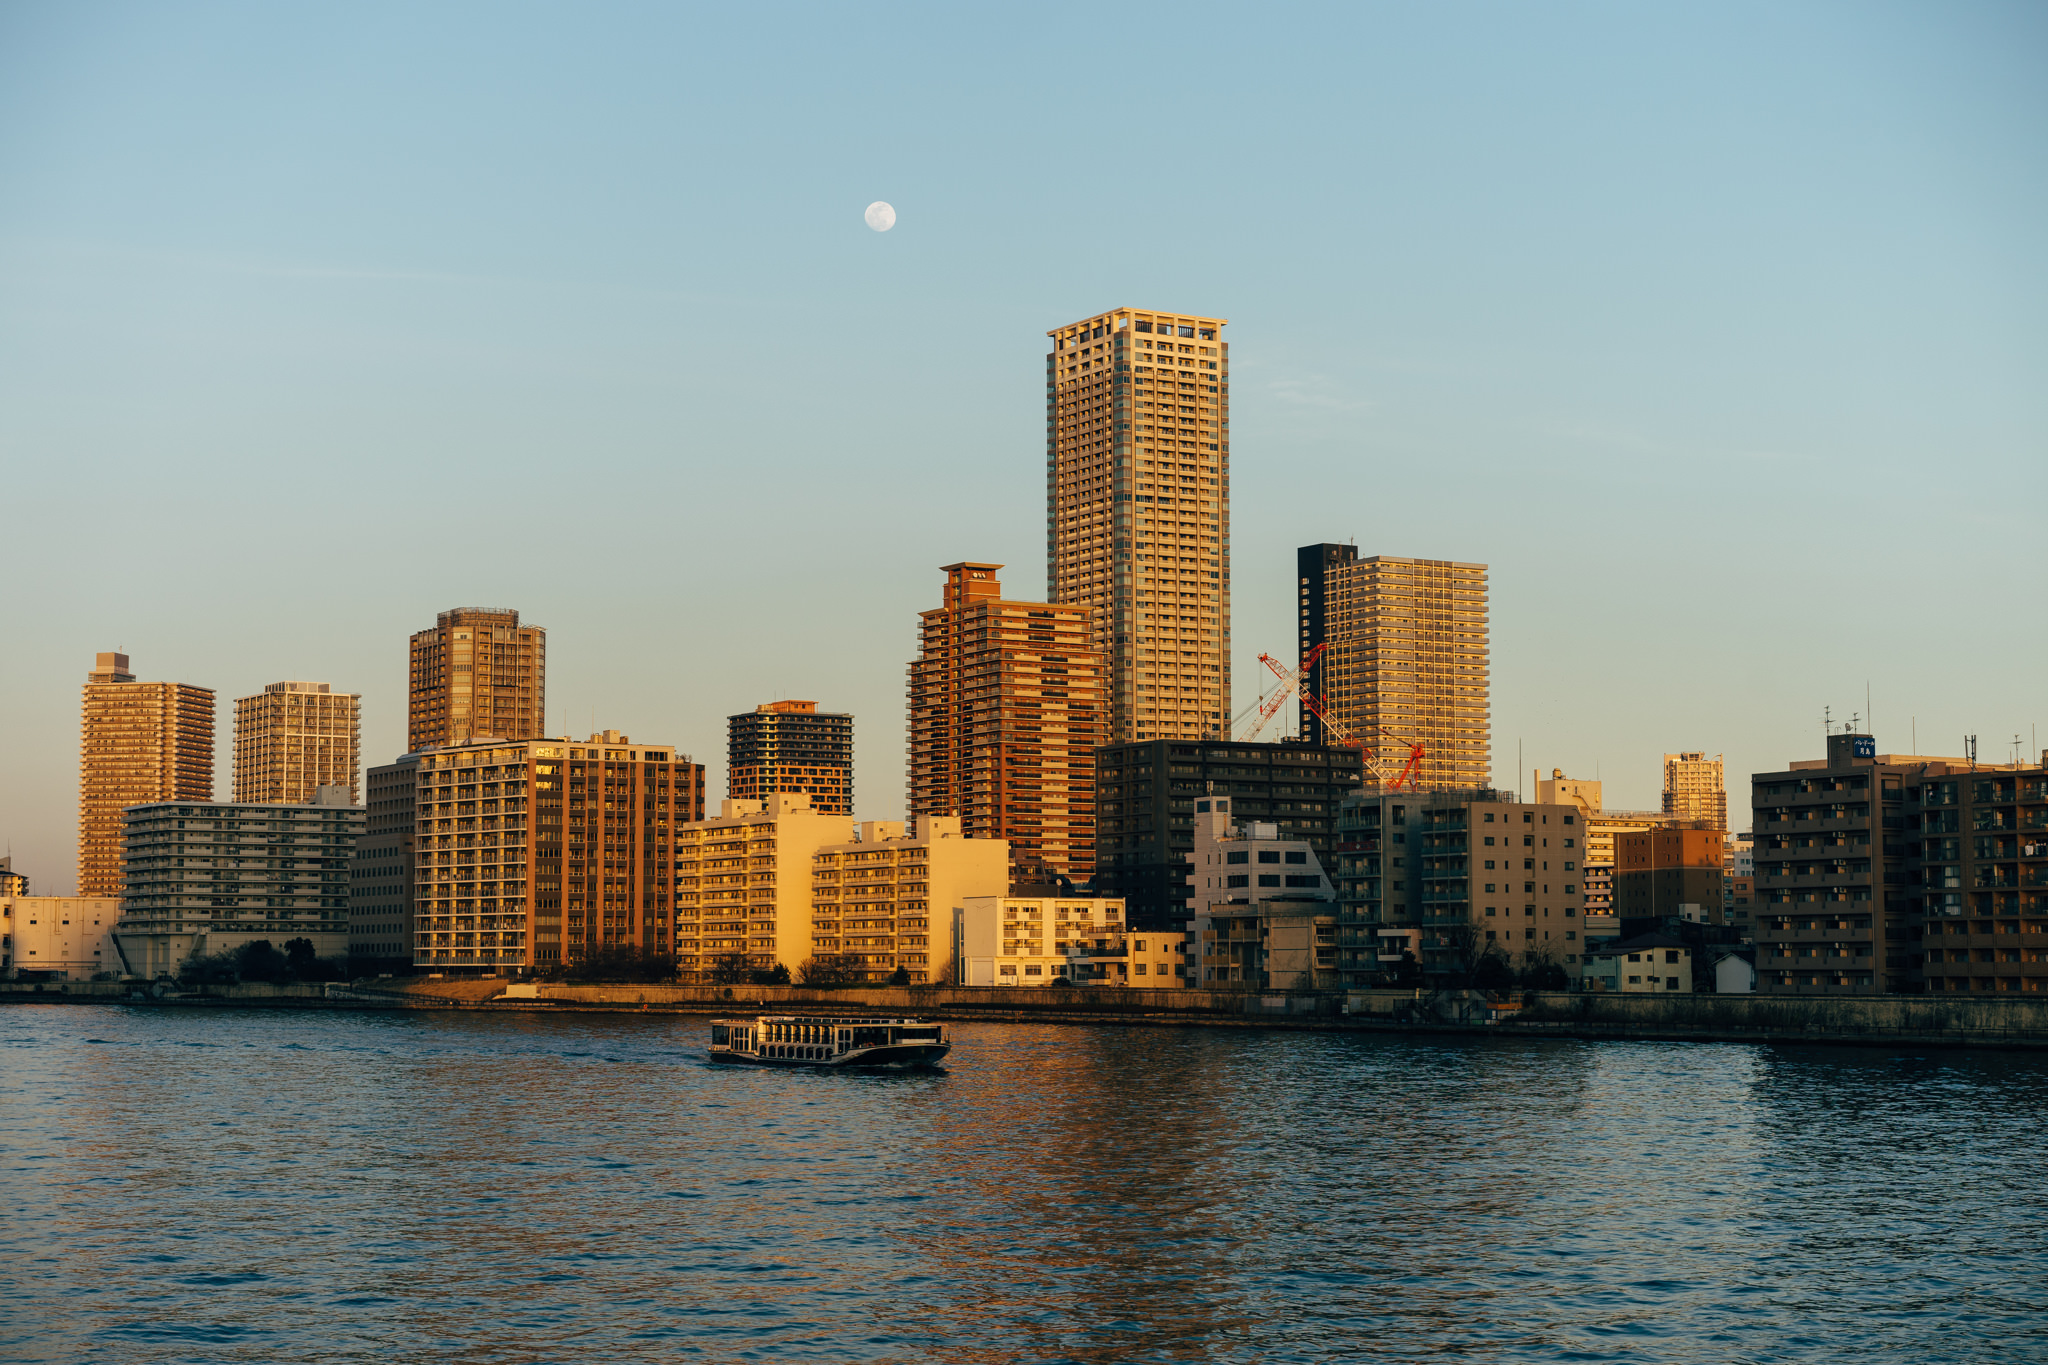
column 200, row 1186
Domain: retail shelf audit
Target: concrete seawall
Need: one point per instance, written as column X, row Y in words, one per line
column 1945, row 1021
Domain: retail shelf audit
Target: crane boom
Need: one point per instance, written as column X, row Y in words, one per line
column 1411, row 772
column 1294, row 685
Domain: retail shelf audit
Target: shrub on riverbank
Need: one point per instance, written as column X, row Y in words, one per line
column 621, row 964
column 257, row 960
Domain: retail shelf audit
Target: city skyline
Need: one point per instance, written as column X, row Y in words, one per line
column 1634, row 378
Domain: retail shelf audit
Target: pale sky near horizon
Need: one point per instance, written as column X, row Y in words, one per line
column 1720, row 333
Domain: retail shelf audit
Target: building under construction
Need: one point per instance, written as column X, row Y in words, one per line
column 1402, row 664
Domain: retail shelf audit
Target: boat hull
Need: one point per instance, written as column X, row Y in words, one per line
column 898, row 1055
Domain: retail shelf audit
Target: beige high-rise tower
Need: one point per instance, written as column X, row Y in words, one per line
column 1694, row 789
column 1404, row 660
column 477, row 674
column 293, row 738
column 1137, row 472
column 139, row 742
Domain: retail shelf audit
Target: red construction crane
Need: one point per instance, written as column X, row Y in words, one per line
column 1294, row 683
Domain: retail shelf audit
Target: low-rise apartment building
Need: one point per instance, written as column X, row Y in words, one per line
column 743, row 883
column 873, row 899
column 1663, row 871
column 1983, row 862
column 1838, row 893
column 1464, row 874
column 1023, row 937
column 1641, row 965
column 203, row 878
column 1267, row 911
column 1282, row 944
column 1136, row 960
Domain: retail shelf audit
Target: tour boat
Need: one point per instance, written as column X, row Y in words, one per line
column 796, row 1040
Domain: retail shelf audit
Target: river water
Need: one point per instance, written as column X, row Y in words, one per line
column 306, row 1187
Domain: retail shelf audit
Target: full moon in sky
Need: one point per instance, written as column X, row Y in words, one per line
column 881, row 216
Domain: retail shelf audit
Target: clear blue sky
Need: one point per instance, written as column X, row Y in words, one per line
column 1720, row 333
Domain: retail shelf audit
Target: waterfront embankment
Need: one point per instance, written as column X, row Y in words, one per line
column 1925, row 1020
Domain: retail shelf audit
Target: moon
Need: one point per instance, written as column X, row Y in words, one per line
column 881, row 216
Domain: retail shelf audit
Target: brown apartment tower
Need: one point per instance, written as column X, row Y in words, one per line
column 1137, row 473
column 1007, row 706
column 293, row 738
column 139, row 742
column 1404, row 661
column 790, row 746
column 478, row 674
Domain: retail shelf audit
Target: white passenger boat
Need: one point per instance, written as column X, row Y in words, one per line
column 795, row 1040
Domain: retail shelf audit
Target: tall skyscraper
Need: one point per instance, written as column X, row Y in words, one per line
column 139, row 742
column 790, row 746
column 1006, row 710
column 1137, row 472
column 1694, row 788
column 1405, row 660
column 478, row 674
column 293, row 738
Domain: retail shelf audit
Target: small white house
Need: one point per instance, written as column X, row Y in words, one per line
column 1734, row 973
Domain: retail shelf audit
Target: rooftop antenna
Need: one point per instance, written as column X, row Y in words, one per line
column 1827, row 724
column 1970, row 749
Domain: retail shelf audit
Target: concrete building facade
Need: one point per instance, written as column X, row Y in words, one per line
column 791, row 746
column 380, row 895
column 1457, row 876
column 59, row 938
column 293, row 738
column 1982, row 844
column 1604, row 833
column 139, row 742
column 743, row 884
column 1660, row 872
column 1266, row 914
column 205, row 878
column 1137, row 472
column 537, row 853
column 1836, row 905
column 1007, row 706
column 883, row 900
column 1694, row 789
column 1404, row 661
column 1024, row 935
column 1131, row 960
column 478, row 674
column 1645, row 964
column 1146, row 810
